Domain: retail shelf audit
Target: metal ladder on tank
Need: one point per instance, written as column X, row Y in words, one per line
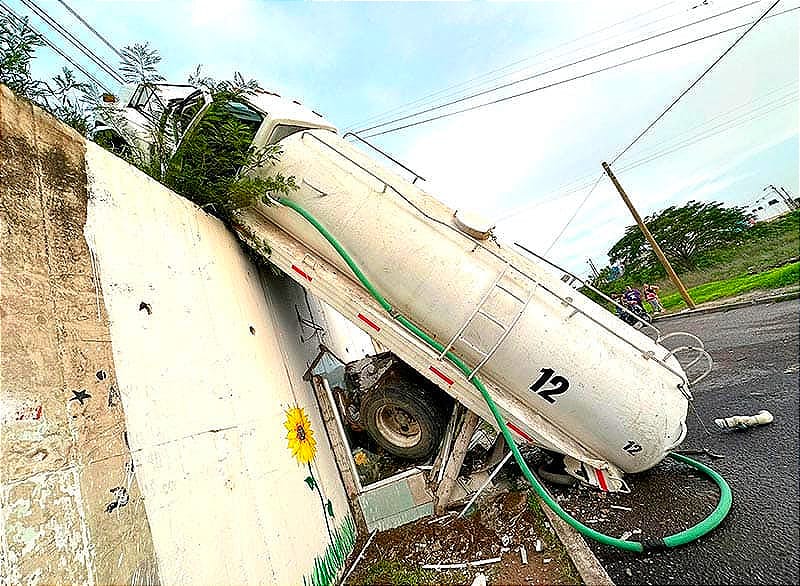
column 505, row 328
column 695, row 347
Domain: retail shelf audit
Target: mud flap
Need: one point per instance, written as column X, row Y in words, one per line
column 607, row 480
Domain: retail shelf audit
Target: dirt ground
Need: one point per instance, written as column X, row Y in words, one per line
column 509, row 518
column 501, row 525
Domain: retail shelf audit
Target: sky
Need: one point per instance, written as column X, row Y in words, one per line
column 527, row 163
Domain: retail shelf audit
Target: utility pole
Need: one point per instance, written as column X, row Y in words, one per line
column 594, row 268
column 656, row 248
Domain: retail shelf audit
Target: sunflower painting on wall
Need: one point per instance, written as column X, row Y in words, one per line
column 303, row 446
column 300, row 435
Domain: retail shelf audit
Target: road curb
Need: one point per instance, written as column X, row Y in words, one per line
column 587, row 564
column 728, row 306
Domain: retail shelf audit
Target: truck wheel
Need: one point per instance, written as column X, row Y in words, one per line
column 405, row 420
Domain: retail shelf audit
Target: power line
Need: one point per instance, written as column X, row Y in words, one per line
column 560, row 67
column 41, row 13
column 90, row 27
column 574, row 215
column 561, row 82
column 470, row 81
column 679, row 141
column 46, row 41
column 748, row 119
column 702, row 75
column 682, row 136
column 756, row 112
column 730, row 125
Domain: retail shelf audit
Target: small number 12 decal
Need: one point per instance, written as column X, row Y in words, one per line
column 632, row 448
column 559, row 385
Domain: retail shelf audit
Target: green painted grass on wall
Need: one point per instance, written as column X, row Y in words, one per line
column 327, row 566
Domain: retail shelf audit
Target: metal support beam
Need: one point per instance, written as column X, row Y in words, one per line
column 340, row 451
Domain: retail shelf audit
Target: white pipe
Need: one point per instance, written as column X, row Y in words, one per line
column 360, row 555
column 485, row 484
column 744, row 421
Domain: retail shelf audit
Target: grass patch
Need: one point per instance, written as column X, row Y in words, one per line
column 768, row 245
column 392, row 572
column 771, row 279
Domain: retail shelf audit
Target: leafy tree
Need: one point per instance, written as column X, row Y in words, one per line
column 63, row 96
column 70, row 100
column 139, row 64
column 214, row 160
column 686, row 234
column 18, row 44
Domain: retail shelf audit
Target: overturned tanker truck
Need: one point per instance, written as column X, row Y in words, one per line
column 464, row 316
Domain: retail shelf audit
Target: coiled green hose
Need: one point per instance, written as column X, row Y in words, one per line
column 690, row 534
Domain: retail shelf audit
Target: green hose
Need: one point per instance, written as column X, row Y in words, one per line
column 690, row 534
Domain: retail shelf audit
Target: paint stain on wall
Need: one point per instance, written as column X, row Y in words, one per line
column 120, row 498
column 26, row 411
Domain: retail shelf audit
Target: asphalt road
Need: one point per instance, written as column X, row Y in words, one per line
column 755, row 350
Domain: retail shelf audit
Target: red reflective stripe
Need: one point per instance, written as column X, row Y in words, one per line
column 518, row 431
column 602, row 480
column 300, row 272
column 444, row 377
column 369, row 323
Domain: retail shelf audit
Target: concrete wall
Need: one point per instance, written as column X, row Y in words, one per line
column 147, row 373
column 72, row 512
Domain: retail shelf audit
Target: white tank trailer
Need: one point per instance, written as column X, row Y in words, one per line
column 569, row 375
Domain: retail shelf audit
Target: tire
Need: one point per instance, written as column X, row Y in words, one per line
column 405, row 419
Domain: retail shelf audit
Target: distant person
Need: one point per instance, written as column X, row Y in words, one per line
column 633, row 297
column 651, row 295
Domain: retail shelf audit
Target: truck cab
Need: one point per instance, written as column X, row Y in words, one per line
column 174, row 110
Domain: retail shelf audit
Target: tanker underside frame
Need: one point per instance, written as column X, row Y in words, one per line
column 350, row 299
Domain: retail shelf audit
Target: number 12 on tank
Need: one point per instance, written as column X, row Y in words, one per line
column 548, row 386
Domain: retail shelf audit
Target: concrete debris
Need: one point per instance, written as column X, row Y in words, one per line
column 444, row 566
column 485, row 562
column 539, row 546
column 480, row 580
column 625, row 536
column 744, row 421
column 621, row 508
column 444, row 517
column 460, row 566
column 524, row 555
column 547, row 560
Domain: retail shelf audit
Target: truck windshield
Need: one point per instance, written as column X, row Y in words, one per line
column 187, row 111
column 281, row 131
column 215, row 147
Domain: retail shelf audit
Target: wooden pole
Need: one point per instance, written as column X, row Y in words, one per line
column 454, row 462
column 656, row 248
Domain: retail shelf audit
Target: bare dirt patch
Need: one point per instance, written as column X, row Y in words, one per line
column 502, row 525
